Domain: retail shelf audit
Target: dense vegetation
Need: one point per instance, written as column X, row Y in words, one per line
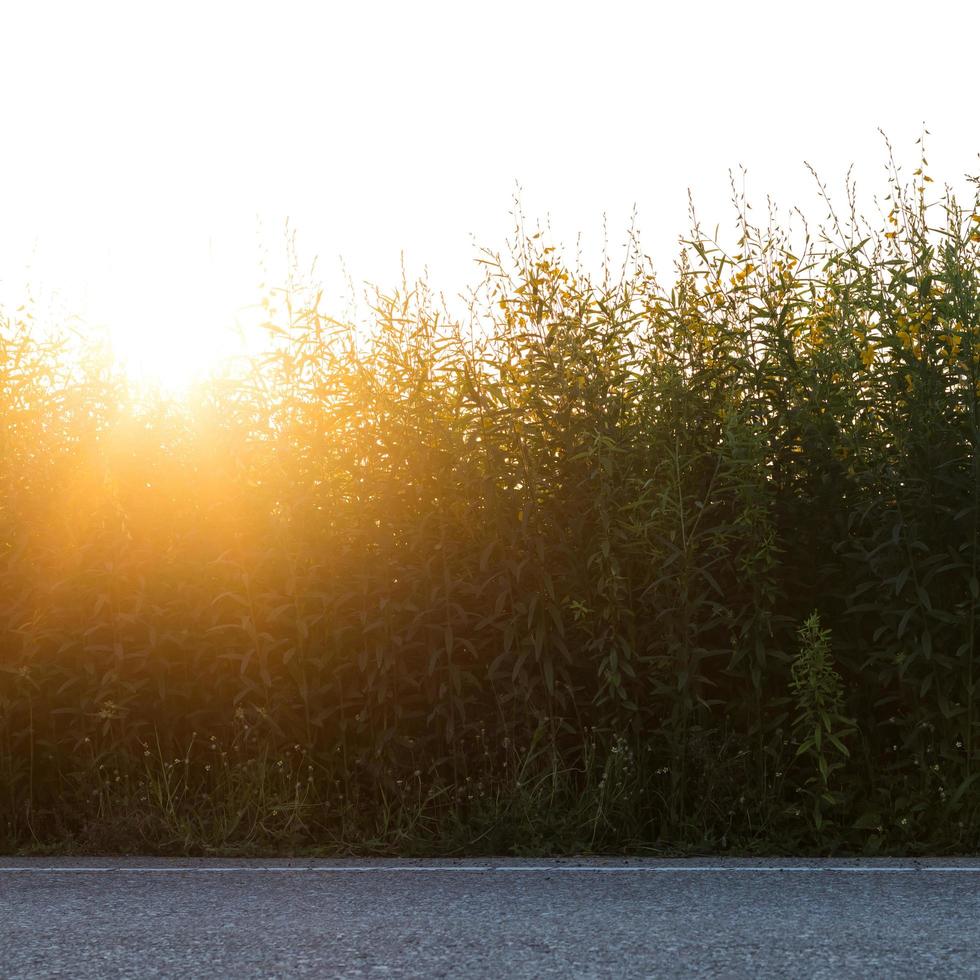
column 599, row 566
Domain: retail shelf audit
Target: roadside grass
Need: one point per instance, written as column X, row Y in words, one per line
column 529, row 802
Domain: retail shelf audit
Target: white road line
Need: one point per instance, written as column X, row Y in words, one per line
column 495, row 869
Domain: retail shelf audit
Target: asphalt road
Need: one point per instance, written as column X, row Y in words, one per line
column 92, row 917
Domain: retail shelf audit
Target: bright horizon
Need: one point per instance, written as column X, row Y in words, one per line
column 154, row 156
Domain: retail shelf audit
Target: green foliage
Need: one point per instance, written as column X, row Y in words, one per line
column 819, row 728
column 529, row 580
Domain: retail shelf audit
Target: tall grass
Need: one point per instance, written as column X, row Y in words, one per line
column 598, row 566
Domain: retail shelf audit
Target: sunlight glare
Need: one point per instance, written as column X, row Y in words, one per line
column 178, row 318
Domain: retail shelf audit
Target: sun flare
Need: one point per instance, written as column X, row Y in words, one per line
column 175, row 328
column 176, row 345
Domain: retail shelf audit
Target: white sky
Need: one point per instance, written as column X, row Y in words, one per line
column 152, row 151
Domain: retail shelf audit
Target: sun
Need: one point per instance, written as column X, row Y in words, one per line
column 175, row 345
column 172, row 331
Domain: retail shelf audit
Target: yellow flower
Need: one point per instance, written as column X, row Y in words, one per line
column 868, row 356
column 952, row 342
column 740, row 277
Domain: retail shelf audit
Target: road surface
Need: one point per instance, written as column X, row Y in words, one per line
column 144, row 917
